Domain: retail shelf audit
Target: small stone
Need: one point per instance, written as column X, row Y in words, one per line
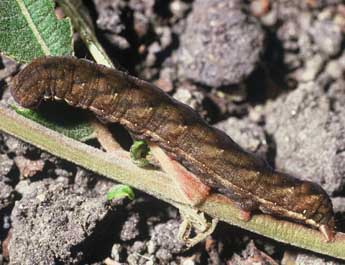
column 27, row 167
column 130, row 228
column 188, row 261
column 141, row 24
column 110, row 21
column 23, row 187
column 116, row 252
column 164, row 237
column 259, row 7
column 256, row 114
column 305, row 46
column 133, row 259
column 153, row 49
column 164, row 255
column 17, row 146
column 269, row 19
column 339, row 20
column 109, row 15
column 165, row 80
column 6, row 165
column 305, row 20
column 151, row 247
column 250, row 253
column 179, row 8
column 6, row 195
column 334, row 69
column 338, row 204
column 6, row 222
column 288, row 31
column 325, row 14
column 118, row 41
column 312, row 68
column 335, row 89
column 324, row 79
column 327, row 36
column 138, row 247
column 191, row 98
column 165, row 36
column 292, row 61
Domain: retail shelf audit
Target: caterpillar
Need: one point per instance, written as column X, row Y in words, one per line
column 150, row 114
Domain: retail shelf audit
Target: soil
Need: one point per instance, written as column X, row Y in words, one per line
column 271, row 74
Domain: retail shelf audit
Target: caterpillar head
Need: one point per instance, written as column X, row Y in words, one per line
column 29, row 85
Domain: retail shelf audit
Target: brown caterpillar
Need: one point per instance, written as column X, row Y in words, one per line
column 150, row 114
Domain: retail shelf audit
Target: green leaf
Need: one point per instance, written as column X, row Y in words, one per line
column 29, row 29
column 120, row 191
column 138, row 152
column 76, row 126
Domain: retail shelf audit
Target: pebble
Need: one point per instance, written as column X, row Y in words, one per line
column 116, row 251
column 269, row 19
column 179, row 8
column 312, row 68
column 334, row 69
column 327, row 36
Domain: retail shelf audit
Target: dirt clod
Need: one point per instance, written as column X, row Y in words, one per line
column 63, row 225
column 309, row 136
column 225, row 48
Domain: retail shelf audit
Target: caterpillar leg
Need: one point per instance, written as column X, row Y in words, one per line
column 245, row 215
column 195, row 221
column 194, row 191
column 245, row 205
column 327, row 232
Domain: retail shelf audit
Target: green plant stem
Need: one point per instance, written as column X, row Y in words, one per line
column 75, row 10
column 117, row 166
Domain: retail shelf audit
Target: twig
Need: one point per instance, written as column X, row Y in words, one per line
column 105, row 137
column 158, row 184
column 74, row 9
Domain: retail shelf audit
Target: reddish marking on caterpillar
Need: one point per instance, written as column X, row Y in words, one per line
column 150, row 114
